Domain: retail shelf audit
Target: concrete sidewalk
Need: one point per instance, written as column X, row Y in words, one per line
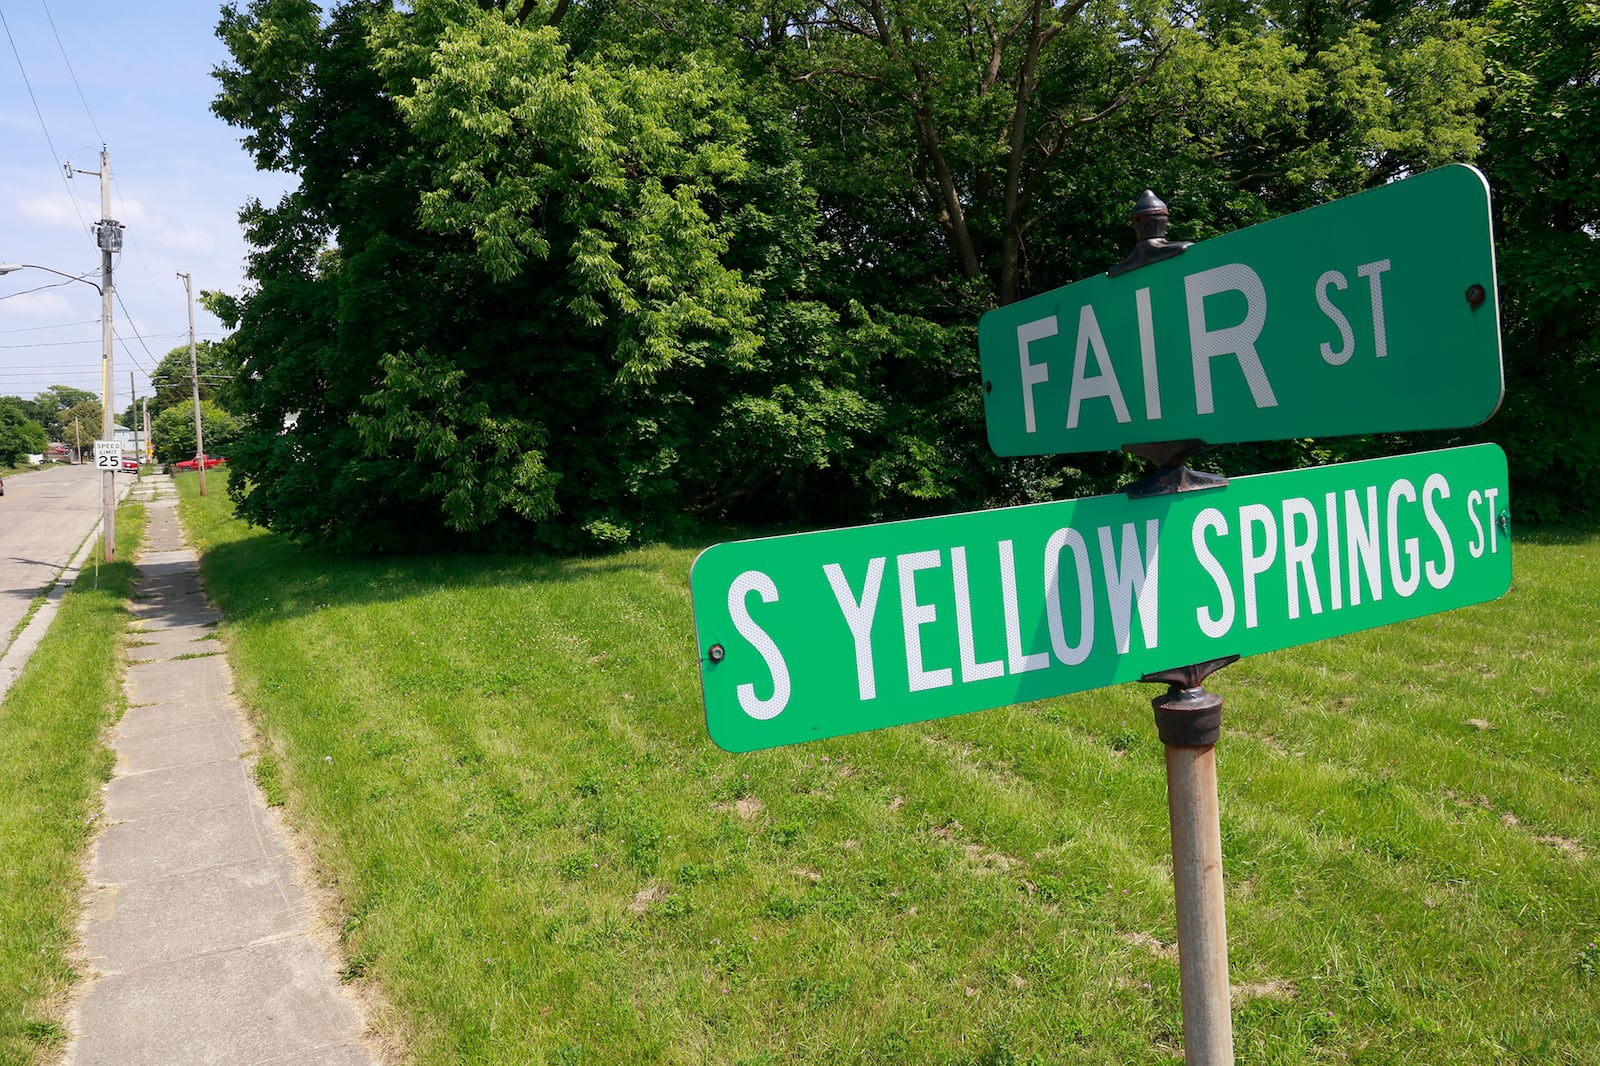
column 196, row 930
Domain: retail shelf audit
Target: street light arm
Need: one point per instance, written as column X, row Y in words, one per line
column 6, row 268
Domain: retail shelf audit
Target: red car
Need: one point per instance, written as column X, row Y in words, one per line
column 130, row 465
column 194, row 464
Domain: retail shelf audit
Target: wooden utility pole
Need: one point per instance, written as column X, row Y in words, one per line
column 108, row 235
column 133, row 408
column 194, row 380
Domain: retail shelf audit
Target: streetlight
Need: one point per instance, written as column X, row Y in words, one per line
column 6, row 268
column 108, row 491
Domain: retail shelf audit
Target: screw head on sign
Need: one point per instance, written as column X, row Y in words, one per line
column 717, row 653
column 1475, row 296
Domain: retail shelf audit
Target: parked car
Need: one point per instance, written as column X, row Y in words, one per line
column 194, row 464
column 130, row 464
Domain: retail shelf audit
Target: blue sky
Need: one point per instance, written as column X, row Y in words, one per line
column 135, row 77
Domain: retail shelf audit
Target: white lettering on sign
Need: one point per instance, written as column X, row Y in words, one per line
column 1373, row 272
column 759, row 583
column 1255, row 563
column 1485, row 499
column 1060, row 540
column 1131, row 572
column 1240, row 340
column 858, row 616
column 1438, row 576
column 1403, row 583
column 971, row 669
column 1017, row 661
column 1363, row 530
column 1298, row 553
column 1347, row 336
column 1104, row 382
column 1094, row 370
column 1033, row 373
column 1147, row 355
column 1296, row 540
column 914, row 616
column 1136, row 577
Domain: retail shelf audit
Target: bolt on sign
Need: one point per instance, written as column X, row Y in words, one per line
column 821, row 634
column 1373, row 313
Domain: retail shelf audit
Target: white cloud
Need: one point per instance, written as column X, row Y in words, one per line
column 41, row 306
column 189, row 238
column 54, row 210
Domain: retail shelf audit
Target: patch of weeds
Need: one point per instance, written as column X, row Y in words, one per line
column 675, row 906
column 642, row 844
column 841, row 907
column 785, row 907
column 1320, row 1026
column 1126, row 739
column 355, row 967
column 567, row 1055
column 576, row 865
column 731, row 957
column 589, row 785
column 1589, row 960
column 269, row 779
column 194, row 655
column 44, row 1032
column 787, row 833
column 691, row 873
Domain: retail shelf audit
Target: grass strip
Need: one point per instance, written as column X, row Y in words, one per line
column 545, row 861
column 52, row 764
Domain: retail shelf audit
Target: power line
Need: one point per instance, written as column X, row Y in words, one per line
column 39, row 288
column 129, row 316
column 42, row 124
column 58, row 325
column 70, row 72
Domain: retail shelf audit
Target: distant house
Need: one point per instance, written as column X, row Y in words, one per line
column 124, row 437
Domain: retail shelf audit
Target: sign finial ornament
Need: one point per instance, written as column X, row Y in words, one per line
column 1150, row 223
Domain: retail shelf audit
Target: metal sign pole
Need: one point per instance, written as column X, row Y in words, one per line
column 1189, row 720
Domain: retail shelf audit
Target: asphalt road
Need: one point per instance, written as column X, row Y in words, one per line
column 44, row 517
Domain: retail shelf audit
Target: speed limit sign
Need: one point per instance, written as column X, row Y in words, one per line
column 107, row 455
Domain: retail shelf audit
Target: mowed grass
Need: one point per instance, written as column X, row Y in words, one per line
column 52, row 764
column 543, row 858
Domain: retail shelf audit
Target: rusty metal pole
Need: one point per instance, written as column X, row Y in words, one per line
column 1189, row 720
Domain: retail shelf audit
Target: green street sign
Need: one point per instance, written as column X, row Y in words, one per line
column 1374, row 313
column 821, row 634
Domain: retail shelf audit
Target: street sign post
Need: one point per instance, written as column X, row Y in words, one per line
column 1373, row 313
column 822, row 634
column 107, row 455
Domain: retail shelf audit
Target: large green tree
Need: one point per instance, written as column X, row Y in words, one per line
column 506, row 293
column 575, row 273
column 174, row 431
column 62, row 410
column 1542, row 154
column 20, row 435
column 174, row 379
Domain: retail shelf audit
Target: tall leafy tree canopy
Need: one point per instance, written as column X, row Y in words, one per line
column 575, row 273
column 20, row 434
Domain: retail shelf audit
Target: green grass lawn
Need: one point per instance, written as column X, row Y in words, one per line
column 52, row 764
column 543, row 859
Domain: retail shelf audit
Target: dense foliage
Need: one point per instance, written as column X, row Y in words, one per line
column 20, row 433
column 578, row 273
